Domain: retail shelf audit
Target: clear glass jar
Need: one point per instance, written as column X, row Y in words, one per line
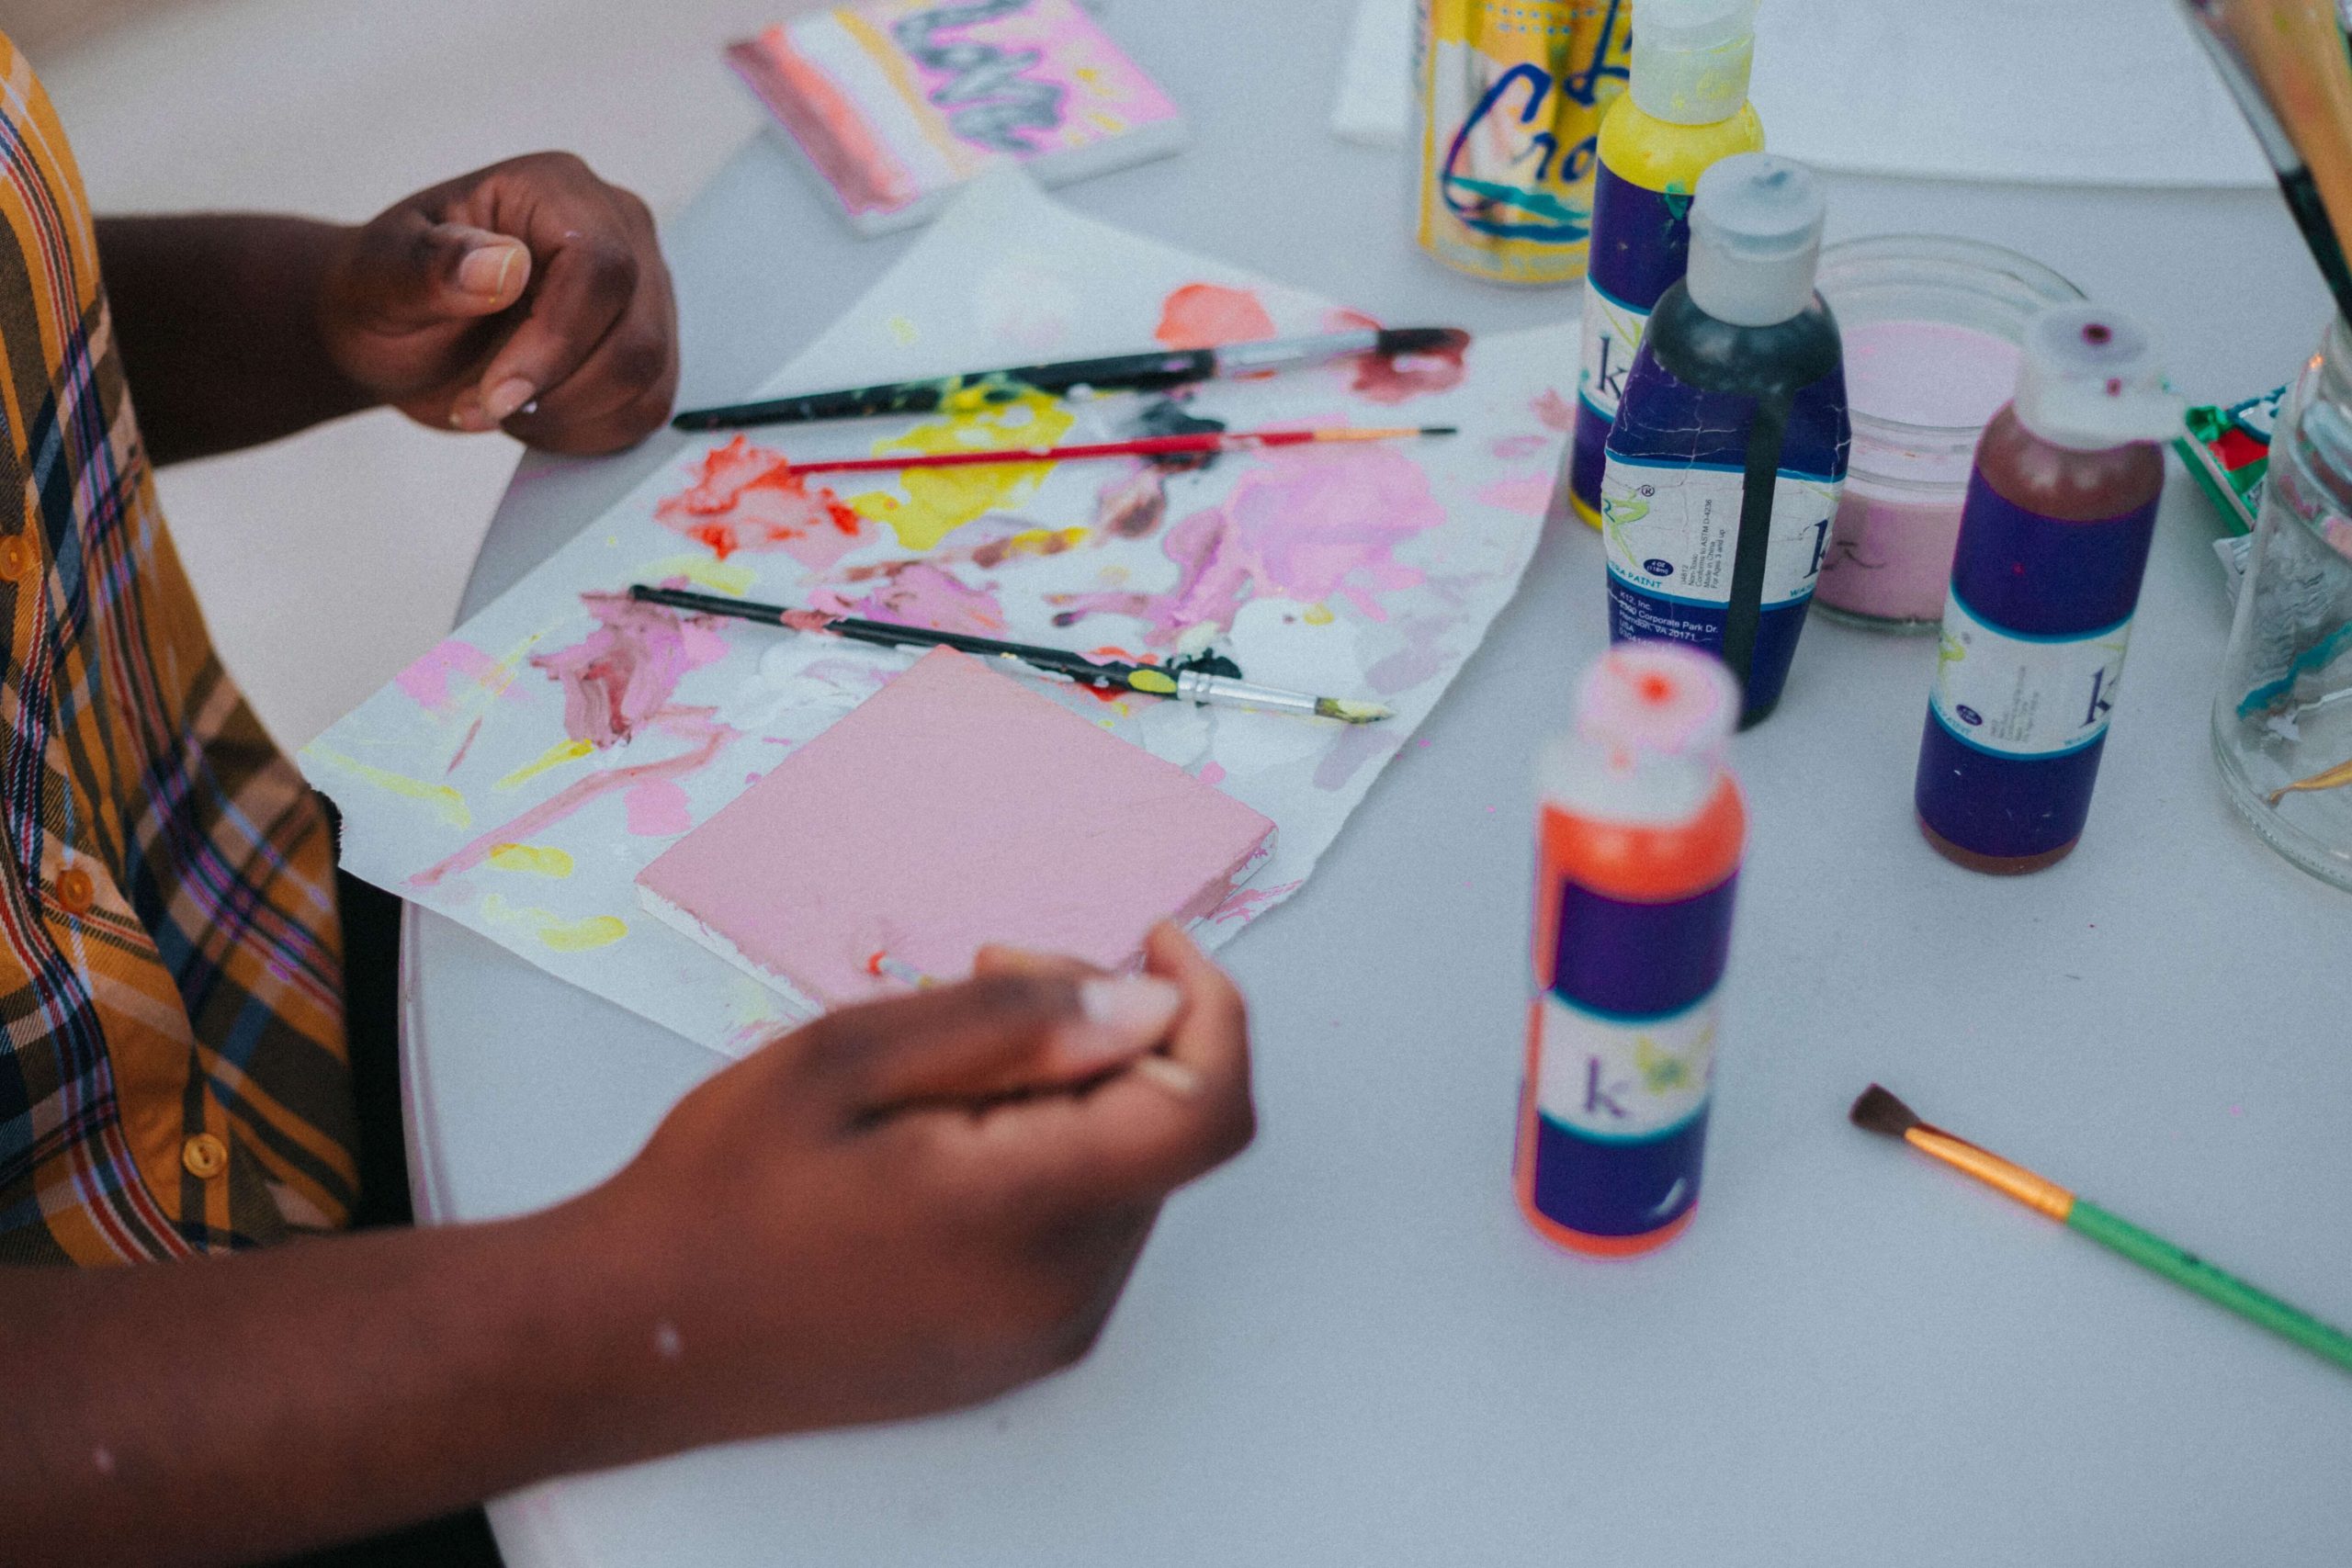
column 2282, row 720
column 1932, row 324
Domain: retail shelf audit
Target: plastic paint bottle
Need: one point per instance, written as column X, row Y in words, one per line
column 1729, row 450
column 1639, row 840
column 2054, row 537
column 1686, row 107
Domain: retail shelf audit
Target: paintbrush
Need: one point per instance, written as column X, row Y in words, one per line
column 1195, row 686
column 2300, row 159
column 1879, row 1112
column 1191, row 444
column 1155, row 370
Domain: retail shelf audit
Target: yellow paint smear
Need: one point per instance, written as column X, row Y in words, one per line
column 1046, row 541
column 734, row 579
column 441, row 797
column 940, row 500
column 904, row 330
column 1318, row 615
column 552, row 930
column 1154, row 681
column 536, row 859
column 584, row 936
column 555, row 756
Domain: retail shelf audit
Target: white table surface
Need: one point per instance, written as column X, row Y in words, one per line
column 1346, row 1349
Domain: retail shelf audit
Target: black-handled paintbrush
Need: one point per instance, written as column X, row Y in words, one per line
column 1158, row 371
column 1179, row 680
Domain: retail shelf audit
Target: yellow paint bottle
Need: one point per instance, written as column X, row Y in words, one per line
column 1687, row 108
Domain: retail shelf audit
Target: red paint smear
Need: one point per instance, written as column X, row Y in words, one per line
column 1553, row 412
column 693, row 723
column 1393, row 379
column 463, row 746
column 748, row 498
column 1204, row 315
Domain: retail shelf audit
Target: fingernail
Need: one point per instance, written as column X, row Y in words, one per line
column 1170, row 1074
column 465, row 413
column 506, row 396
column 1137, row 1006
column 484, row 270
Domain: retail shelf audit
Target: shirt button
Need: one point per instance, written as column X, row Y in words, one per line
column 16, row 557
column 75, row 890
column 205, row 1155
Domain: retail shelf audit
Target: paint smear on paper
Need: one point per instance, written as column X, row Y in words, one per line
column 1204, row 315
column 553, row 930
column 1527, row 495
column 442, row 797
column 659, row 810
column 940, row 500
column 1248, row 903
column 917, row 593
column 697, row 724
column 1393, row 379
column 1132, row 507
column 748, row 498
column 555, row 756
column 1511, row 448
column 451, row 671
column 734, row 579
column 1553, row 412
column 538, row 860
column 1303, row 525
column 628, row 668
column 1422, row 655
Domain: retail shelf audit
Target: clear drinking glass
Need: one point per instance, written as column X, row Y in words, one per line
column 2282, row 720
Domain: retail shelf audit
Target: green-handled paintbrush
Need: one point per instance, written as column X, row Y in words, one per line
column 1879, row 1112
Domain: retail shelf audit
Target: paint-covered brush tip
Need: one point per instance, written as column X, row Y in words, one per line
column 1347, row 712
column 1879, row 1112
column 1440, row 430
column 1422, row 340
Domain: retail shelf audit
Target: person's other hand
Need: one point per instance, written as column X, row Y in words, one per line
column 920, row 1203
column 529, row 295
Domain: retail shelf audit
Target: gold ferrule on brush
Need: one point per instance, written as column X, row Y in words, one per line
column 2034, row 1192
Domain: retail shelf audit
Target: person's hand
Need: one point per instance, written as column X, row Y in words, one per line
column 530, row 296
column 920, row 1203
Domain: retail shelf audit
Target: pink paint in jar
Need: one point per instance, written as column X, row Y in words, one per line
column 1931, row 326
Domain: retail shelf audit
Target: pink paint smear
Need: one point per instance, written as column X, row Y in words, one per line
column 1204, row 315
column 696, row 724
column 623, row 674
column 917, row 593
column 1303, row 525
column 430, row 680
column 748, row 498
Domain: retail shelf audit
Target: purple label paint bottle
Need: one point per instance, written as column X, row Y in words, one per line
column 2053, row 538
column 1639, row 841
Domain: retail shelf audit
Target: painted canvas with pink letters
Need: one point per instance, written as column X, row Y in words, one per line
column 520, row 775
column 896, row 102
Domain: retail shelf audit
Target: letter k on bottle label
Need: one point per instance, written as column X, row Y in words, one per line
column 2026, row 696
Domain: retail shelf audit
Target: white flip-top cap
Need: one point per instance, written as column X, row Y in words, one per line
column 1653, row 720
column 1691, row 59
column 1755, row 239
column 2088, row 380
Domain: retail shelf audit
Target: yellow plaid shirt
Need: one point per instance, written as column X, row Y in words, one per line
column 172, row 1077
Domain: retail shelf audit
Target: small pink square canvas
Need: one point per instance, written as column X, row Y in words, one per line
column 954, row 808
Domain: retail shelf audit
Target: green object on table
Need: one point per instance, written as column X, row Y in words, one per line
column 2154, row 1252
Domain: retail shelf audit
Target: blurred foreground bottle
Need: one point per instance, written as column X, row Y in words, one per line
column 2282, row 720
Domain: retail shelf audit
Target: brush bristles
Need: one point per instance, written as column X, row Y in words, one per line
column 1879, row 1112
